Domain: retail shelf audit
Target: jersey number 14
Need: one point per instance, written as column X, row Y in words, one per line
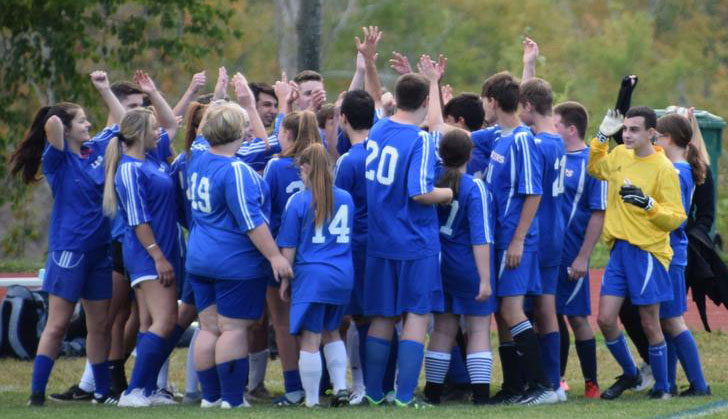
column 339, row 227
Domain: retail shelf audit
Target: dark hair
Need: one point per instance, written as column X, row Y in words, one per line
column 455, row 148
column 679, row 129
column 308, row 75
column 411, row 91
column 258, row 87
column 504, row 89
column 324, row 114
column 121, row 89
column 538, row 93
column 358, row 106
column 28, row 155
column 573, row 113
column 304, row 130
column 195, row 112
column 469, row 107
column 205, row 99
column 646, row 113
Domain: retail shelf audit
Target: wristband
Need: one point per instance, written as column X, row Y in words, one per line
column 650, row 203
column 151, row 246
column 602, row 138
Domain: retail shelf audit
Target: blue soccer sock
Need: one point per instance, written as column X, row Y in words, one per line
column 41, row 371
column 391, row 372
column 587, row 352
column 150, row 349
column 210, row 384
column 620, row 351
column 377, row 356
column 292, row 384
column 233, row 377
column 170, row 343
column 363, row 330
column 671, row 364
column 102, row 378
column 687, row 351
column 658, row 363
column 458, row 372
column 409, row 364
column 551, row 353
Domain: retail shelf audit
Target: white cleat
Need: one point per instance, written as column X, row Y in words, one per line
column 357, row 396
column 162, row 398
column 648, row 380
column 210, row 405
column 561, row 393
column 134, row 398
column 226, row 405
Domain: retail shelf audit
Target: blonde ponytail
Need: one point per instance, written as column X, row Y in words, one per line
column 111, row 159
column 320, row 180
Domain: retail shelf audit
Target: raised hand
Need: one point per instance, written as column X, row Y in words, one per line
column 441, row 66
column 428, row 68
column 530, row 51
column 446, row 92
column 317, row 99
column 282, row 88
column 100, row 80
column 611, row 124
column 222, row 83
column 242, row 91
column 198, row 80
column 400, row 63
column 368, row 48
column 146, row 85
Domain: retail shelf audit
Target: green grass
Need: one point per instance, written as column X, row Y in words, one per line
column 21, row 265
column 15, row 382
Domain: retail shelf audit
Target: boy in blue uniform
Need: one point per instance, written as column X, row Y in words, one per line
column 514, row 178
column 584, row 202
column 402, row 275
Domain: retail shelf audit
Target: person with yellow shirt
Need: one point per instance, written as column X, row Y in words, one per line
column 644, row 205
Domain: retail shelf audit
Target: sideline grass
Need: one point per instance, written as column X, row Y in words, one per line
column 15, row 382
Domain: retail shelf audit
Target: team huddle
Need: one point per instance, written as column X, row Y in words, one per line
column 363, row 230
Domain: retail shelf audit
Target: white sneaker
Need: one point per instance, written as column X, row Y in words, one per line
column 134, row 398
column 561, row 393
column 207, row 405
column 648, row 380
column 357, row 396
column 162, row 398
column 390, row 397
column 226, row 405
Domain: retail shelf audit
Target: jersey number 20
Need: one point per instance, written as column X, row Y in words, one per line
column 387, row 163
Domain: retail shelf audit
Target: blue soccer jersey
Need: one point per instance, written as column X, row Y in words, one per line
column 551, row 224
column 678, row 238
column 284, row 179
column 466, row 222
column 323, row 271
column 343, row 144
column 228, row 200
column 582, row 195
column 483, row 141
column 400, row 165
column 514, row 171
column 77, row 184
column 255, row 153
column 349, row 176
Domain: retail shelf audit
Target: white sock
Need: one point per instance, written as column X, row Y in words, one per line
column 352, row 343
column 191, row 380
column 309, row 366
column 87, row 382
column 479, row 366
column 436, row 366
column 258, row 366
column 163, row 374
column 335, row 354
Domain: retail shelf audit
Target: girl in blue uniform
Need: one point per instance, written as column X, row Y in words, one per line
column 466, row 268
column 297, row 131
column 315, row 234
column 79, row 259
column 674, row 138
column 230, row 255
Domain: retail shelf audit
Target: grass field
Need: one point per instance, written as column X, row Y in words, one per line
column 15, row 383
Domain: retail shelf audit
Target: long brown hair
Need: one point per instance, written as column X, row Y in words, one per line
column 321, row 181
column 304, row 129
column 455, row 148
column 679, row 130
column 27, row 156
column 194, row 117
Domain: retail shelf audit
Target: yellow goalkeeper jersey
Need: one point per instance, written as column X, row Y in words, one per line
column 658, row 178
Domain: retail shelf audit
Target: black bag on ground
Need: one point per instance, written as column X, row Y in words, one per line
column 24, row 313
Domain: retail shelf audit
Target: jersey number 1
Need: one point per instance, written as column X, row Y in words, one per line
column 199, row 195
column 558, row 186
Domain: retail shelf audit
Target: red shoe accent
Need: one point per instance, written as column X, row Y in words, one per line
column 591, row 390
column 565, row 386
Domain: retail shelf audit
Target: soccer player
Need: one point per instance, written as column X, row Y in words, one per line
column 79, row 263
column 315, row 236
column 311, row 90
column 674, row 137
column 229, row 226
column 515, row 180
column 643, row 207
column 465, row 111
column 266, row 102
column 584, row 202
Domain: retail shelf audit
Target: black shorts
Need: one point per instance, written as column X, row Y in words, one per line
column 117, row 260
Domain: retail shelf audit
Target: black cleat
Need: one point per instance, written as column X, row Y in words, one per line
column 107, row 400
column 693, row 392
column 340, row 399
column 539, row 395
column 659, row 395
column 36, row 400
column 73, row 394
column 505, row 397
column 624, row 382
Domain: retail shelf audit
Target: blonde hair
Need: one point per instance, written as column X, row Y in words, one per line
column 304, row 129
column 224, row 123
column 135, row 126
column 320, row 180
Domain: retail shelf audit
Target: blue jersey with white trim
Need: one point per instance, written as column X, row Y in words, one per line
column 466, row 222
column 228, row 200
column 679, row 238
column 147, row 195
column 483, row 141
column 323, row 270
column 343, row 144
column 77, row 184
column 284, row 179
column 255, row 153
column 400, row 165
column 551, row 224
column 514, row 172
column 583, row 194
column 349, row 176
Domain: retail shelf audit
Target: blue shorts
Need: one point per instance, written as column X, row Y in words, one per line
column 572, row 297
column 234, row 298
column 467, row 306
column 549, row 279
column 637, row 275
column 393, row 287
column 315, row 317
column 187, row 294
column 356, row 305
column 72, row 275
column 524, row 280
column 141, row 267
column 679, row 304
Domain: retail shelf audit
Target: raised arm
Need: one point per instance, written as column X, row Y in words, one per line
column 530, row 55
column 221, row 85
column 434, row 108
column 247, row 101
column 165, row 116
column 400, row 63
column 357, row 82
column 198, row 80
column 368, row 49
column 598, row 165
column 101, row 83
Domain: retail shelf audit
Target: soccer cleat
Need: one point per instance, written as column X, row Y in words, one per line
column 455, row 392
column 648, row 380
column 204, row 404
column 539, row 395
column 433, row 392
column 623, row 383
column 692, row 392
column 107, row 400
column 341, row 398
column 284, row 401
column 36, row 400
column 561, row 393
column 659, row 395
column 192, row 398
column 259, row 393
column 390, row 397
column 505, row 397
column 162, row 397
column 371, row 402
column 73, row 394
column 357, row 396
column 591, row 390
column 415, row 403
column 243, row 405
column 563, row 384
column 134, row 398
